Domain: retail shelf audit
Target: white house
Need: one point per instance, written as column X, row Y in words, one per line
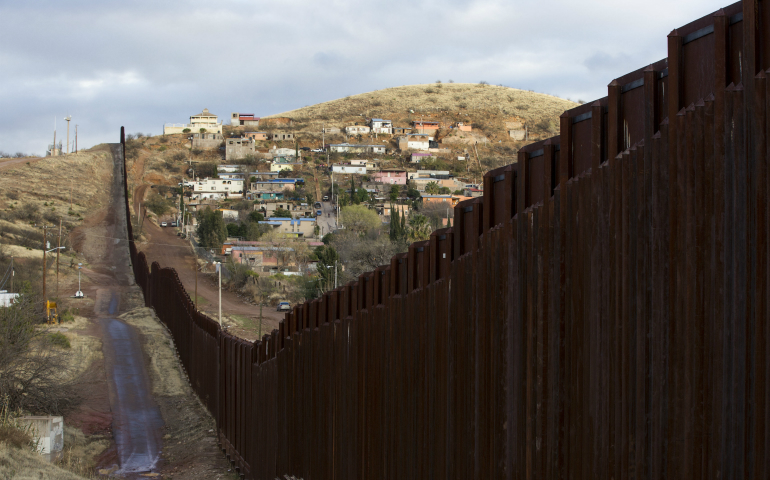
column 379, row 125
column 216, row 188
column 283, row 152
column 346, row 168
column 283, row 164
column 205, row 120
column 417, row 142
column 357, row 130
column 7, row 299
column 231, row 176
column 228, row 168
column 357, row 148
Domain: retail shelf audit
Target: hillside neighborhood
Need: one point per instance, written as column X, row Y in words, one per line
column 282, row 196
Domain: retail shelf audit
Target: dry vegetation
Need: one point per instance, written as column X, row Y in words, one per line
column 487, row 107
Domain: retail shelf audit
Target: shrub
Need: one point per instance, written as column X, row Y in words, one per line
column 67, row 316
column 12, row 195
column 59, row 339
column 28, row 211
column 186, row 130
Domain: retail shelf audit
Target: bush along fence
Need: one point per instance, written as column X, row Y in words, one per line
column 602, row 311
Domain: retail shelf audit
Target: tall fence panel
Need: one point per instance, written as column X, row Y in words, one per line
column 602, row 312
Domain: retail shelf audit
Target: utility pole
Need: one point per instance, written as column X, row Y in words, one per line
column 44, row 269
column 58, row 249
column 12, row 274
column 335, row 274
column 68, row 118
column 76, row 138
column 220, row 293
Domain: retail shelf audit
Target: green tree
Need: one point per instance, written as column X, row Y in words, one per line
column 444, row 191
column 282, row 213
column 432, row 188
column 353, row 198
column 212, row 231
column 419, row 227
column 328, row 260
column 362, row 196
column 256, row 216
column 395, row 232
column 359, row 218
column 394, row 191
column 254, row 231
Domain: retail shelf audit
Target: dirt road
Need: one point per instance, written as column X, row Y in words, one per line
column 139, row 415
column 169, row 250
column 10, row 162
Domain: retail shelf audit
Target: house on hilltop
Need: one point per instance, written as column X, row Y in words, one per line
column 244, row 120
column 205, row 120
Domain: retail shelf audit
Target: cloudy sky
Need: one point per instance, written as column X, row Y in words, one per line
column 144, row 63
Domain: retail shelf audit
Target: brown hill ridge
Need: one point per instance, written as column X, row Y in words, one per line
column 491, row 109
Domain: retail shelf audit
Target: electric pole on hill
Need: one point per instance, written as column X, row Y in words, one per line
column 68, row 118
column 76, row 138
column 58, row 249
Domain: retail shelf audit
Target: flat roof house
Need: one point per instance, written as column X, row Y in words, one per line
column 238, row 148
column 390, row 177
column 378, row 125
column 292, row 227
column 357, row 148
column 243, row 120
column 347, row 169
column 216, row 188
column 426, row 127
column 357, row 130
column 256, row 135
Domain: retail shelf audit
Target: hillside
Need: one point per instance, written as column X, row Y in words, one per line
column 487, row 107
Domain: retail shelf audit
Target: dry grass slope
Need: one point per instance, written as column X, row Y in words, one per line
column 473, row 103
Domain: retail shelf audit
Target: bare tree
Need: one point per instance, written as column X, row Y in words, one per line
column 35, row 374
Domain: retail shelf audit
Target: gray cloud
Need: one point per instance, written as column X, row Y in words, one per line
column 143, row 63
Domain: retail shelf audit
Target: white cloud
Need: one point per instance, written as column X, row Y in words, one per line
column 143, row 63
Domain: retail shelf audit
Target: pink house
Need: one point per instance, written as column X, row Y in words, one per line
column 390, row 177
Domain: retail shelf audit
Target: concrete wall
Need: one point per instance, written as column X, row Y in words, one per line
column 237, row 148
column 207, row 140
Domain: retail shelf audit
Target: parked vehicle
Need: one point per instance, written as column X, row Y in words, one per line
column 326, row 198
column 307, row 149
column 163, row 224
column 317, row 150
column 319, row 213
column 284, row 306
column 173, row 224
column 317, row 205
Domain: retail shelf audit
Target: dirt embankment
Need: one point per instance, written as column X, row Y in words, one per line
column 98, row 242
